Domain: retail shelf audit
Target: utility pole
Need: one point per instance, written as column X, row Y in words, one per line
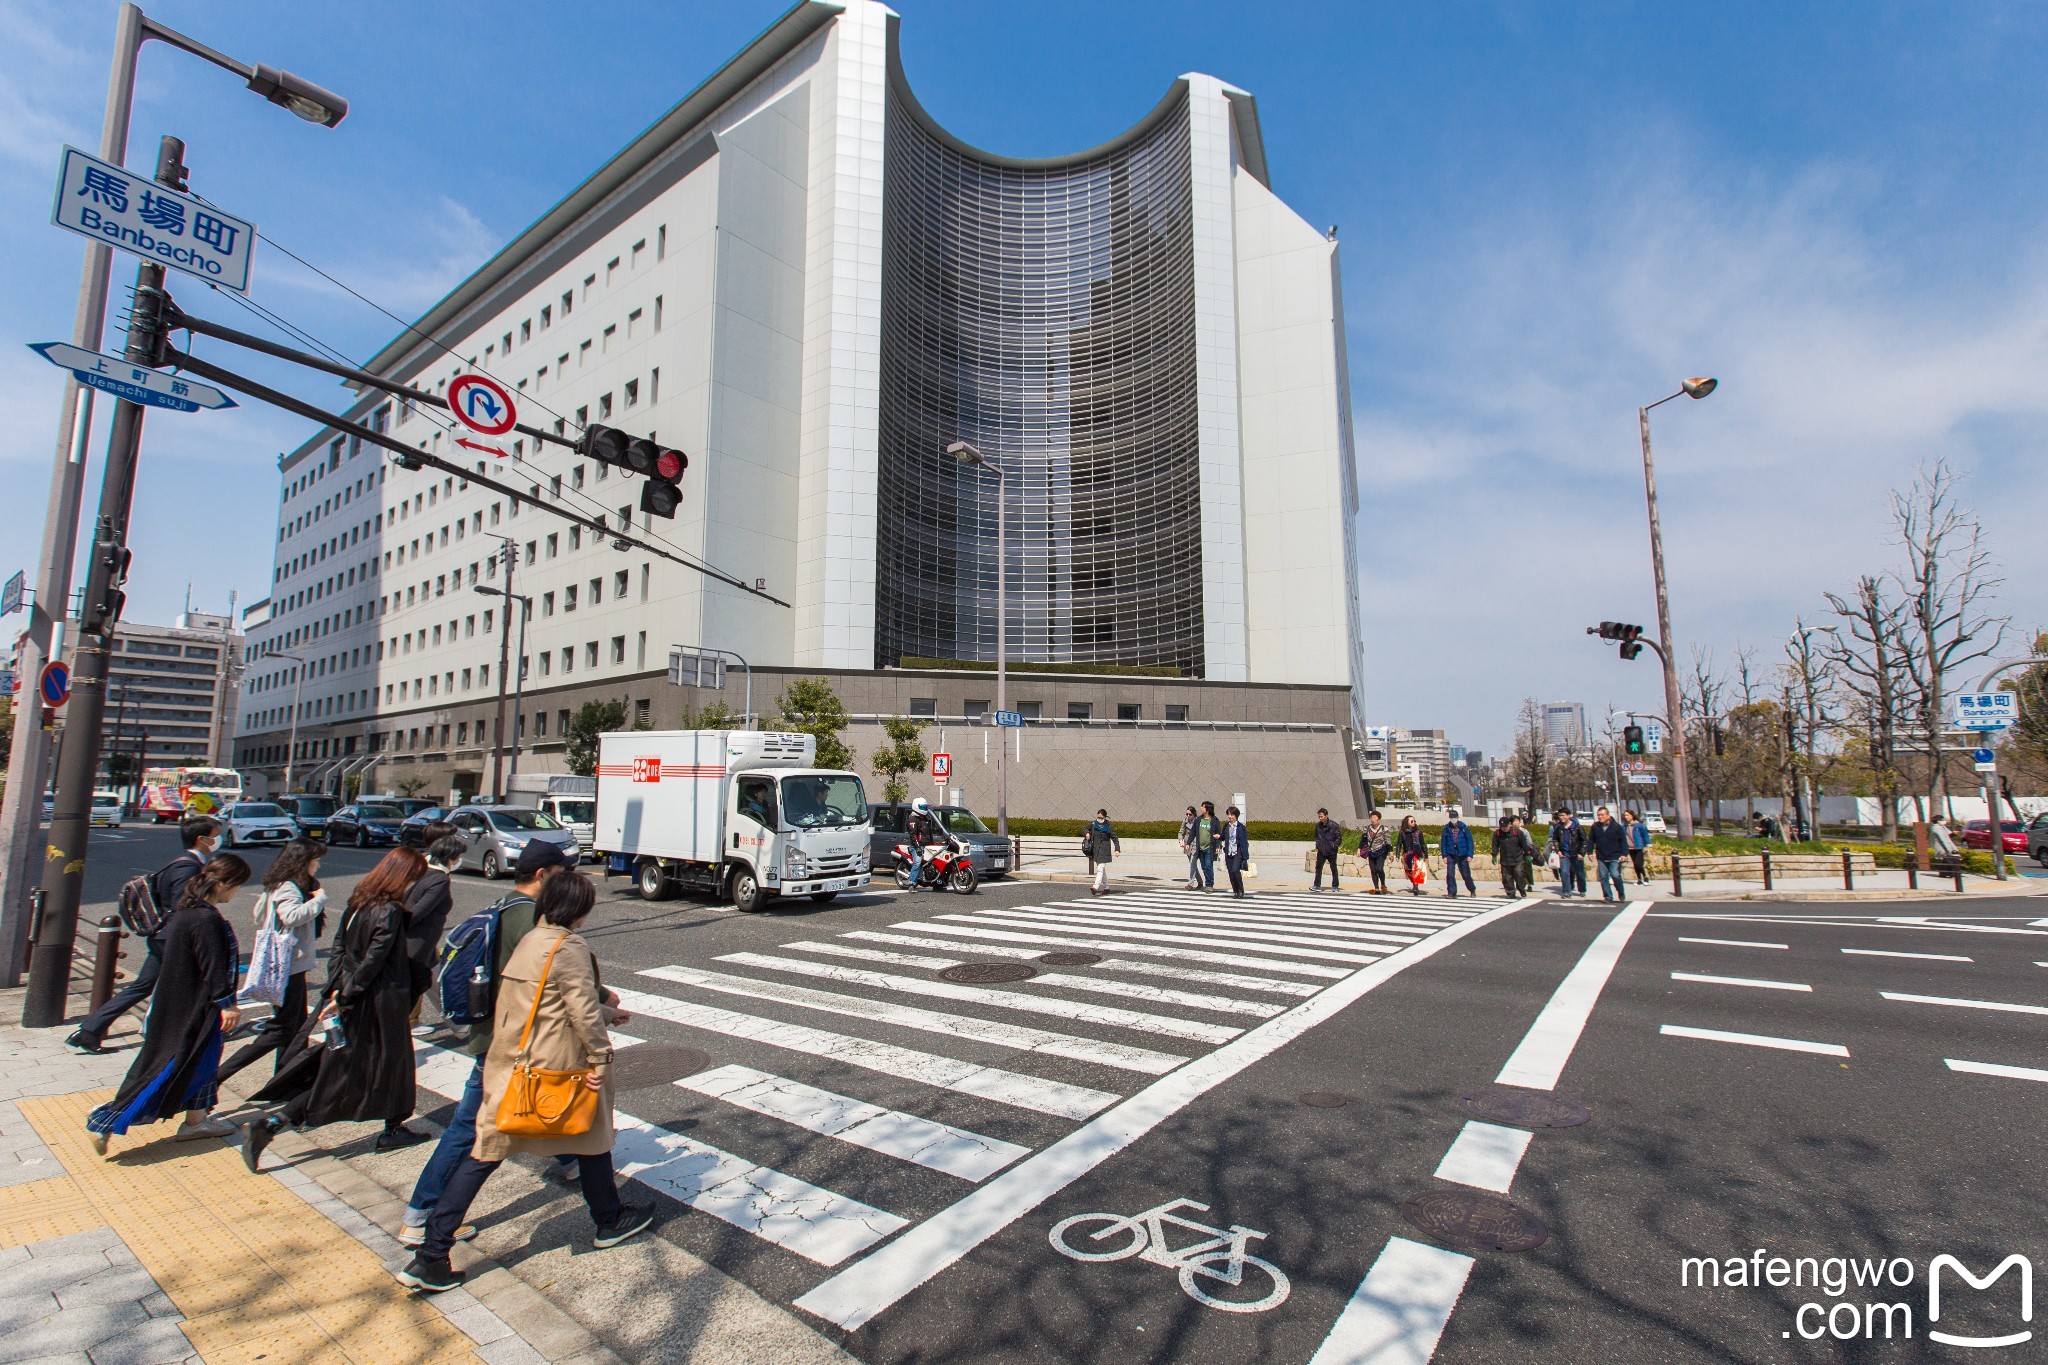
column 1692, row 388
column 509, row 554
column 63, row 881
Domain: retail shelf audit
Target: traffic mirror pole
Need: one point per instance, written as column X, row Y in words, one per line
column 53, row 935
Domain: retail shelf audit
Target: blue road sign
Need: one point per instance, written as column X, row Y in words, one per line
column 1011, row 720
column 55, row 684
column 11, row 596
column 135, row 383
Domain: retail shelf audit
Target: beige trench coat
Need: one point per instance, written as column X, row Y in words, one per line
column 568, row 1035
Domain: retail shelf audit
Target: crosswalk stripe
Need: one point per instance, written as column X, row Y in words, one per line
column 1014, row 1088
column 794, row 1214
column 1133, row 990
column 936, row 1146
column 1080, row 1011
column 1377, row 937
column 1018, row 1036
column 1124, row 945
column 1188, row 934
column 930, row 964
column 1237, row 979
column 1268, row 903
column 1324, row 905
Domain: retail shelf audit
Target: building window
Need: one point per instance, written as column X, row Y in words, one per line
column 590, row 654
column 568, row 658
column 618, row 649
column 632, row 323
column 462, row 732
column 547, row 317
column 1176, row 715
column 547, row 604
column 661, row 242
column 1127, row 711
column 638, row 247
column 643, row 713
column 604, row 406
column 569, row 599
column 973, row 709
column 632, row 393
column 924, row 706
column 561, row 722
column 1080, row 710
column 657, row 312
column 1028, row 710
column 540, row 723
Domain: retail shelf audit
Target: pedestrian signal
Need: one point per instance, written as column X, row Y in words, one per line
column 1632, row 740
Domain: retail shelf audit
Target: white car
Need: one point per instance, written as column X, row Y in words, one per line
column 1654, row 823
column 256, row 822
column 106, row 810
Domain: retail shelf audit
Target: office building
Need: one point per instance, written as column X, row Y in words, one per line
column 802, row 280
column 1564, row 728
column 171, row 692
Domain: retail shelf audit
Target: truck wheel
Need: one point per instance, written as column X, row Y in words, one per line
column 824, row 897
column 654, row 883
column 747, row 896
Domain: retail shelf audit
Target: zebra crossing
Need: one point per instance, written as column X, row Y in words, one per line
column 863, row 1083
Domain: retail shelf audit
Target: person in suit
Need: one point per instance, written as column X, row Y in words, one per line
column 1237, row 851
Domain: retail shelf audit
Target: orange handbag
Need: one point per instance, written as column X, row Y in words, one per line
column 540, row 1103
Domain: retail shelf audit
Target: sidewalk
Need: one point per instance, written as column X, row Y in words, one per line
column 174, row 1252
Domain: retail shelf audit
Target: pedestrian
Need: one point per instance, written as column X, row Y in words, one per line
column 1414, row 851
column 354, row 1061
column 1208, row 843
column 1237, row 851
column 1329, row 843
column 1565, row 852
column 293, row 903
column 1101, row 845
column 1609, row 842
column 426, row 915
column 552, row 1014
column 1455, row 846
column 178, row 1065
column 1638, row 845
column 200, row 834
column 1942, row 842
column 1516, row 857
column 516, row 915
column 1375, row 843
column 1190, row 827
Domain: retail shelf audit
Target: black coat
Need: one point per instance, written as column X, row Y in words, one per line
column 1411, row 843
column 1329, row 837
column 181, row 1040
column 426, row 916
column 371, row 1077
column 1609, row 841
column 168, row 885
column 1513, row 848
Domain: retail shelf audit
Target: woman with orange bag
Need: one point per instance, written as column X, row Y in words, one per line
column 546, row 1081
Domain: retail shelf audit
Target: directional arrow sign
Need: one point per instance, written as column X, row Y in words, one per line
column 132, row 382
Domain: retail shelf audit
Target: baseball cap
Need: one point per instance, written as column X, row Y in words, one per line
column 539, row 854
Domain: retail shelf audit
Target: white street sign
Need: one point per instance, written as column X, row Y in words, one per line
column 1653, row 736
column 1987, row 710
column 135, row 383
column 119, row 208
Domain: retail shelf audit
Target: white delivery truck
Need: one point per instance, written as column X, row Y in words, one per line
column 738, row 813
column 570, row 799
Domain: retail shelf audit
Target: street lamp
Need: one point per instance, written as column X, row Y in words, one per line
column 519, row 687
column 291, row 748
column 1691, row 388
column 968, row 455
column 21, row 848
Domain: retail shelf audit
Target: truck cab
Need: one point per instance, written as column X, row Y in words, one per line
column 732, row 814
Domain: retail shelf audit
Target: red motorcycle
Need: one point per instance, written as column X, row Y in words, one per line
column 945, row 867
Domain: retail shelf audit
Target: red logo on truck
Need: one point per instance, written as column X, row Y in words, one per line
column 647, row 769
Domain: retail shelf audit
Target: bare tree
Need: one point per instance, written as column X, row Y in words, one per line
column 1947, row 582
column 1527, row 766
column 1808, row 682
column 1867, row 653
column 1700, row 704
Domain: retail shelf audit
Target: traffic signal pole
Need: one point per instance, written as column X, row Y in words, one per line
column 56, row 925
column 1683, row 790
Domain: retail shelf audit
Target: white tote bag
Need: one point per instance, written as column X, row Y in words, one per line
column 270, row 961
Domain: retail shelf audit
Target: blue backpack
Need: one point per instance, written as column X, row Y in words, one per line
column 469, row 965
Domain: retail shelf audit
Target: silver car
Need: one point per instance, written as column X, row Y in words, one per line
column 496, row 836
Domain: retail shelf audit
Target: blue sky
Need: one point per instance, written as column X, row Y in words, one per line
column 1549, row 214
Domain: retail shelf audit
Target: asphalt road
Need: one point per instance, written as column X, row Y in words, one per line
column 891, row 1151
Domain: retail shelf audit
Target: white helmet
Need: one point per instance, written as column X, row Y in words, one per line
column 920, row 805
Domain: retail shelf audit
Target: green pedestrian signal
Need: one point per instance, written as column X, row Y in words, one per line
column 1632, row 740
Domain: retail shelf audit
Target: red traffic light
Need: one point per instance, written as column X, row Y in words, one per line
column 671, row 464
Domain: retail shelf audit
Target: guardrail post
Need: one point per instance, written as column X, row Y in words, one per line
column 1677, row 877
column 1959, row 872
column 105, row 957
column 1848, row 871
column 1767, row 869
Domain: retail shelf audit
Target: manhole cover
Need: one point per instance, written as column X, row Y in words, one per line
column 1323, row 1099
column 1070, row 959
column 646, row 1064
column 984, row 973
column 1524, row 1108
column 1471, row 1221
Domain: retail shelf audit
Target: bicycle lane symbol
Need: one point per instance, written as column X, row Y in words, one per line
column 1145, row 1236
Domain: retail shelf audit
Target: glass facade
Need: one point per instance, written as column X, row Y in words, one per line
column 1043, row 312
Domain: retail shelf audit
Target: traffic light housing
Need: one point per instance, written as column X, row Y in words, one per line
column 1628, row 635
column 660, row 466
column 1632, row 740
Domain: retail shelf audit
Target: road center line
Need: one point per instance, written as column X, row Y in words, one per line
column 1999, row 1005
column 1923, row 957
column 1741, row 981
column 1485, row 1156
column 1714, row 1035
column 1399, row 1310
column 1540, row 1060
column 2015, row 1073
column 1734, row 943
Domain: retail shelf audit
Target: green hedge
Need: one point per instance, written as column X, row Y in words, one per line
column 1721, row 845
column 1976, row 861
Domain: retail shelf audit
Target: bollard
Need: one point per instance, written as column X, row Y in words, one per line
column 1848, row 872
column 1767, row 869
column 1959, row 873
column 1677, row 877
column 1912, row 874
column 1017, row 850
column 106, row 954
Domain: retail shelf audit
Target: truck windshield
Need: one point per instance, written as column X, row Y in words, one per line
column 811, row 802
column 961, row 820
column 576, row 812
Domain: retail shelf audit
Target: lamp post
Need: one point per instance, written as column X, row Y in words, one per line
column 519, row 685
column 1691, row 388
column 968, row 455
column 21, row 848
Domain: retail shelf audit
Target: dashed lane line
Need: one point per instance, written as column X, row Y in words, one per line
column 2013, row 1073
column 1921, row 957
column 1485, row 1156
column 1756, row 982
column 1734, row 943
column 1712, row 1035
column 1999, row 1005
column 1540, row 1059
column 1399, row 1310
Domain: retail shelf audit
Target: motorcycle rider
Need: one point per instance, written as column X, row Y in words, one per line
column 919, row 830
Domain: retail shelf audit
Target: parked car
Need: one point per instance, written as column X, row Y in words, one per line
column 1654, row 822
column 364, row 823
column 1977, row 834
column 106, row 810
column 311, row 812
column 412, row 831
column 497, row 834
column 988, row 852
column 2037, row 839
column 256, row 822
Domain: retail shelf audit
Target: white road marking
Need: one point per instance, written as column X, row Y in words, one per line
column 1540, row 1059
column 2014, row 1073
column 1080, row 1010
column 936, row 1146
column 1233, row 926
column 1399, row 1310
column 795, row 1215
column 1999, row 1005
column 870, row 1286
column 1051, row 941
column 1485, row 1156
column 1756, row 1040
column 1166, row 934
column 1013, row 1088
column 1135, row 990
column 1734, row 943
column 930, row 964
column 1108, row 964
column 1017, row 1036
column 1741, row 981
column 1923, row 957
column 1265, row 912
